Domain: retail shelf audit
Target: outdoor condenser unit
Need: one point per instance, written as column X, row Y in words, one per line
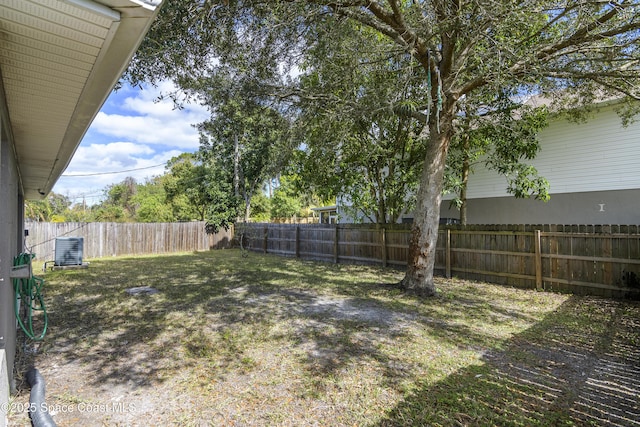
column 68, row 251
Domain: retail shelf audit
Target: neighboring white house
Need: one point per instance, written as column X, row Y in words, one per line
column 59, row 60
column 594, row 173
column 593, row 168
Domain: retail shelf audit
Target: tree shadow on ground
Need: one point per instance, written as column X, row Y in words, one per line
column 212, row 308
column 138, row 339
column 580, row 366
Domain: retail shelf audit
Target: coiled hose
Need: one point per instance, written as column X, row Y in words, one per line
column 40, row 416
column 28, row 291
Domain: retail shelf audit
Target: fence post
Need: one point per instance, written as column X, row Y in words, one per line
column 335, row 246
column 538, row 260
column 384, row 246
column 297, row 241
column 448, row 255
column 264, row 241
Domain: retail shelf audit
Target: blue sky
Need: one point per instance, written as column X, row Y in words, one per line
column 133, row 135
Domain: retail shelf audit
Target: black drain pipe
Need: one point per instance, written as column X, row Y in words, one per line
column 38, row 411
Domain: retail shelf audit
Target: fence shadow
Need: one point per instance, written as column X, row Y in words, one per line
column 588, row 374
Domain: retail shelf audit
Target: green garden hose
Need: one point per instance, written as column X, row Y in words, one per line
column 28, row 292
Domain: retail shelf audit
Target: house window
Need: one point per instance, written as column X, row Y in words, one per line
column 327, row 214
column 329, row 217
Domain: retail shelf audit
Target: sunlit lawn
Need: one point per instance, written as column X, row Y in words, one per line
column 265, row 340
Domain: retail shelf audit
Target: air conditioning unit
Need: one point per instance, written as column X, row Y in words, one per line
column 68, row 251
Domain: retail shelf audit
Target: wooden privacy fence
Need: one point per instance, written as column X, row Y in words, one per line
column 102, row 239
column 602, row 260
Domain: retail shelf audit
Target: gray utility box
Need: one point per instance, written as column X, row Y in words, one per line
column 69, row 251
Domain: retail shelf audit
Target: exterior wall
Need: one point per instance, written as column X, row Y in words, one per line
column 11, row 229
column 586, row 164
column 4, row 388
column 600, row 207
column 598, row 155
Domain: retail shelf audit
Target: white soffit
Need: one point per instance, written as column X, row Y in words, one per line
column 59, row 60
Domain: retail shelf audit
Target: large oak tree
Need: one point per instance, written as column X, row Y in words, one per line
column 573, row 51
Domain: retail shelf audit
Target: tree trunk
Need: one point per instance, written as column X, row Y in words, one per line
column 382, row 208
column 247, row 208
column 422, row 249
column 236, row 166
column 465, row 180
column 463, row 193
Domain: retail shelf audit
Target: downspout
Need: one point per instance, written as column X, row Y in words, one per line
column 38, row 411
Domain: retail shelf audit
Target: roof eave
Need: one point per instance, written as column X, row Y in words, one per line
column 126, row 36
column 131, row 21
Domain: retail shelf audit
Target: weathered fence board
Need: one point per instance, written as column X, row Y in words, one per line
column 112, row 239
column 601, row 260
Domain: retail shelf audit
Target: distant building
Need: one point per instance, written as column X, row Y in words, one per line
column 593, row 169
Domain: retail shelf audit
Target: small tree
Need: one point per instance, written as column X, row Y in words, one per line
column 151, row 202
column 119, row 204
column 260, row 207
column 185, row 187
column 500, row 139
column 285, row 202
column 244, row 135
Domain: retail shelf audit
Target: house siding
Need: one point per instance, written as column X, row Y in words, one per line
column 598, row 155
column 592, row 169
column 598, row 207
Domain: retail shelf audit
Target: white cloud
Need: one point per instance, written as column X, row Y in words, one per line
column 144, row 119
column 133, row 135
column 104, row 157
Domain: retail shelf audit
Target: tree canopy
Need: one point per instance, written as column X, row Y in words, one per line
column 356, row 147
column 185, row 187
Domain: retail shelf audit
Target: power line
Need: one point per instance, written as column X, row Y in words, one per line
column 111, row 173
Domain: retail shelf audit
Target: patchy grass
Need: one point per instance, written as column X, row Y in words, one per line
column 265, row 340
